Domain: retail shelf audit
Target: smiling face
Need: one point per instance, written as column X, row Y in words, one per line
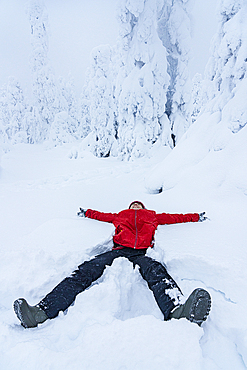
column 136, row 205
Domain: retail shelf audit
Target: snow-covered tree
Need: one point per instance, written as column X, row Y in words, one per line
column 201, row 94
column 4, row 114
column 71, row 110
column 142, row 78
column 174, row 31
column 68, row 94
column 17, row 108
column 196, row 96
column 84, row 113
column 13, row 108
column 98, row 101
column 33, row 125
column 228, row 65
column 47, row 97
column 62, row 129
column 139, row 92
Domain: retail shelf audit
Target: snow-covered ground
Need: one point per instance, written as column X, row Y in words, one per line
column 116, row 324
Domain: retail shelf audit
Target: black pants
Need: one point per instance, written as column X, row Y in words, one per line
column 155, row 274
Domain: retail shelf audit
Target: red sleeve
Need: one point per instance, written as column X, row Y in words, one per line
column 166, row 218
column 101, row 216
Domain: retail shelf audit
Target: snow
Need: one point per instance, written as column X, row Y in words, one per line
column 116, row 324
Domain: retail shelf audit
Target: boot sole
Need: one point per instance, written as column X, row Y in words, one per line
column 23, row 313
column 200, row 306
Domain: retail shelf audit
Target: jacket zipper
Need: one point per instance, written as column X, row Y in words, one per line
column 136, row 229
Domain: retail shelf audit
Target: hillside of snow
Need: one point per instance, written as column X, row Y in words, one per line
column 116, row 324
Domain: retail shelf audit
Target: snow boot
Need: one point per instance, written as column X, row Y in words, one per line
column 29, row 316
column 195, row 309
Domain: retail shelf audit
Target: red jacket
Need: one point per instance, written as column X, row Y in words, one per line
column 136, row 228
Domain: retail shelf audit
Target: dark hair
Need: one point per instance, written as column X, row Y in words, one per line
column 137, row 201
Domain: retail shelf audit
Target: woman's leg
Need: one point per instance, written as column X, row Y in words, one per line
column 64, row 294
column 165, row 290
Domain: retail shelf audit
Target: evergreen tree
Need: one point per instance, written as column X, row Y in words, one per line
column 13, row 108
column 142, row 79
column 129, row 95
column 70, row 110
column 174, row 31
column 33, row 126
column 98, row 101
column 17, row 108
column 69, row 99
column 84, row 114
column 226, row 70
column 197, row 96
column 47, row 97
column 4, row 115
column 62, row 129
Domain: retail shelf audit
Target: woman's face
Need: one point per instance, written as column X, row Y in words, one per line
column 136, row 206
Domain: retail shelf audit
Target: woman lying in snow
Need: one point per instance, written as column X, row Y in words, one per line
column 134, row 234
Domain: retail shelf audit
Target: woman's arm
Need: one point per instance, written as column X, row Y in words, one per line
column 167, row 218
column 100, row 216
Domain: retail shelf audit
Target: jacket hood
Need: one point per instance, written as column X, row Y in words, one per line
column 137, row 201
